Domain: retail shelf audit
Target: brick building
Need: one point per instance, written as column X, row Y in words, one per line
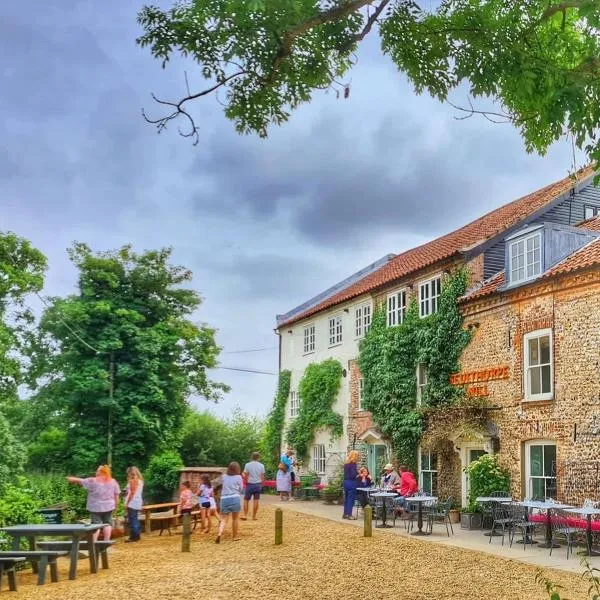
column 332, row 324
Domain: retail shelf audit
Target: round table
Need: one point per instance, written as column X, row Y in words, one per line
column 384, row 496
column 420, row 500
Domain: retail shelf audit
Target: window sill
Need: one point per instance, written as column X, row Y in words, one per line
column 308, row 353
column 336, row 345
column 536, row 402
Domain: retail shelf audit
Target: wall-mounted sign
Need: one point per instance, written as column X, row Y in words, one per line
column 477, row 391
column 478, row 376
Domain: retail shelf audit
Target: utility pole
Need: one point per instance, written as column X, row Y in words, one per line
column 111, row 391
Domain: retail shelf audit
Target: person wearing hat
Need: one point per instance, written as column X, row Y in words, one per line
column 390, row 477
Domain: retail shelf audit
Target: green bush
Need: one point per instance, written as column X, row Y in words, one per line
column 12, row 454
column 50, row 452
column 49, row 490
column 17, row 506
column 485, row 477
column 162, row 476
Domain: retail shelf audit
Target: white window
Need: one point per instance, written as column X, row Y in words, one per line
column 361, row 392
column 429, row 296
column 540, row 469
column 396, row 307
column 335, row 330
column 362, row 318
column 319, row 458
column 525, row 258
column 294, row 404
column 428, row 472
column 590, row 211
column 421, row 382
column 309, row 339
column 537, row 348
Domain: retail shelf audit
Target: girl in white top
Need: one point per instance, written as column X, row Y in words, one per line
column 134, row 502
column 208, row 506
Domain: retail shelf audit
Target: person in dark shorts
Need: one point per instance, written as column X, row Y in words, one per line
column 254, row 474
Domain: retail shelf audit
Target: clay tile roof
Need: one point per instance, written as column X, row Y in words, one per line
column 487, row 287
column 585, row 257
column 460, row 240
column 593, row 224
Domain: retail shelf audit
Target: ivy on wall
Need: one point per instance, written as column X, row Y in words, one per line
column 272, row 437
column 388, row 362
column 318, row 390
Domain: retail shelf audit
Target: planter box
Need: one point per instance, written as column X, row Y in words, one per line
column 454, row 515
column 470, row 520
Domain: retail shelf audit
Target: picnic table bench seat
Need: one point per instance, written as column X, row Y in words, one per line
column 101, row 547
column 166, row 519
column 43, row 558
column 8, row 566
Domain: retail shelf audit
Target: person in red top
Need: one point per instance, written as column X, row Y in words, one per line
column 407, row 487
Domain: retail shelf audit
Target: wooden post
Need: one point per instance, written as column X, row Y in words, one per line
column 278, row 526
column 185, row 538
column 368, row 518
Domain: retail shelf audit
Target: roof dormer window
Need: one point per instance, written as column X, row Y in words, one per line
column 525, row 257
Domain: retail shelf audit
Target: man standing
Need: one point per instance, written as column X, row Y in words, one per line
column 254, row 474
column 287, row 458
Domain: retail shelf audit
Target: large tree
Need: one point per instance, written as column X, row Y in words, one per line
column 539, row 59
column 122, row 357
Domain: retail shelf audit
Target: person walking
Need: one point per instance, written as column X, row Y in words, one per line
column 102, row 499
column 254, row 473
column 208, row 506
column 231, row 504
column 287, row 458
column 134, row 503
column 350, row 484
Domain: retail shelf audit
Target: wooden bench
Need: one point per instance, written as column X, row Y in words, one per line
column 8, row 566
column 163, row 518
column 66, row 545
column 43, row 558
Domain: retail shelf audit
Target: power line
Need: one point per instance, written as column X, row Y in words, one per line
column 253, row 350
column 246, row 370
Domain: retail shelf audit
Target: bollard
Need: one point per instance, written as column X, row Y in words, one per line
column 278, row 526
column 185, row 538
column 368, row 517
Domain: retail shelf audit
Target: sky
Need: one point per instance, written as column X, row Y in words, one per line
column 263, row 224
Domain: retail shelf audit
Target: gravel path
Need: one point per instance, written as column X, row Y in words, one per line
column 319, row 560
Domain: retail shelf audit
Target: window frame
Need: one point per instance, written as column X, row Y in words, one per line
column 306, row 339
column 420, row 387
column 528, row 396
column 362, row 322
column 318, row 458
column 396, row 311
column 529, row 477
column 294, row 404
column 595, row 210
column 431, row 298
column 430, row 472
column 337, row 337
column 513, row 243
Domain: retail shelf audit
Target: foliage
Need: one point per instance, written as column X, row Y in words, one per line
column 207, row 440
column 486, row 476
column 273, row 432
column 538, row 59
column 388, row 362
column 50, row 452
column 318, row 390
column 162, row 476
column 12, row 455
column 592, row 574
column 334, row 488
column 130, row 322
column 49, row 490
column 17, row 507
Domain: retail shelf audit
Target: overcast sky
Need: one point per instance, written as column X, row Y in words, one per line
column 263, row 224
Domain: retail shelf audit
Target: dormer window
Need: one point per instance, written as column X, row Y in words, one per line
column 525, row 257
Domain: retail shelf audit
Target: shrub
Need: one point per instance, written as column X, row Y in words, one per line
column 50, row 452
column 12, row 455
column 485, row 477
column 17, row 506
column 49, row 490
column 162, row 476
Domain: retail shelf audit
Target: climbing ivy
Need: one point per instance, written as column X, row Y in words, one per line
column 272, row 437
column 388, row 361
column 318, row 390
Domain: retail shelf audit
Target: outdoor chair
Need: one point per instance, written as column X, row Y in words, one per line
column 521, row 523
column 565, row 526
column 440, row 513
column 502, row 519
column 378, row 505
column 412, row 510
column 308, row 488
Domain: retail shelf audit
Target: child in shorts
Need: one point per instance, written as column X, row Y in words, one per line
column 284, row 482
column 208, row 506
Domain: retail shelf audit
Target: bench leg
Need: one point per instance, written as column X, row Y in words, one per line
column 1, row 573
column 104, row 558
column 93, row 555
column 12, row 579
column 54, row 571
column 42, row 570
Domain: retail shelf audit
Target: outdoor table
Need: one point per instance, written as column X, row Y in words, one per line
column 547, row 506
column 77, row 532
column 587, row 512
column 384, row 496
column 497, row 500
column 420, row 500
column 148, row 508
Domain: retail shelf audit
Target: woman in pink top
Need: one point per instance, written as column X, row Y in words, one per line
column 186, row 498
column 102, row 499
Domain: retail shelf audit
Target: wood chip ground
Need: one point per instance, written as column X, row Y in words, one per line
column 319, row 559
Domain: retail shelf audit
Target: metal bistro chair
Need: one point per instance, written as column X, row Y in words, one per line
column 487, row 509
column 412, row 510
column 521, row 523
column 381, row 504
column 440, row 513
column 564, row 526
column 502, row 520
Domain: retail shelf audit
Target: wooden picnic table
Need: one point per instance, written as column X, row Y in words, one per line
column 76, row 531
column 149, row 508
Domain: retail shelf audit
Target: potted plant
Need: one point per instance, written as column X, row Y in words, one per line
column 332, row 493
column 454, row 513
